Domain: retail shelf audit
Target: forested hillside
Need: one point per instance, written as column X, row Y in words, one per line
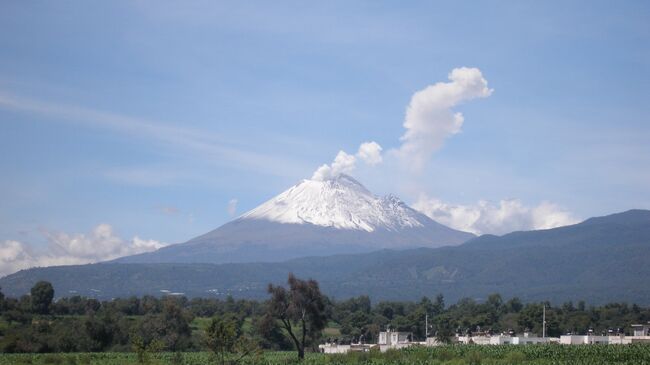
column 601, row 260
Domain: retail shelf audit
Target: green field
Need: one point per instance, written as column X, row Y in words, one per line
column 452, row 355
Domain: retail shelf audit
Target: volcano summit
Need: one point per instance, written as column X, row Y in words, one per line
column 312, row 218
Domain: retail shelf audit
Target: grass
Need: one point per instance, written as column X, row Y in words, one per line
column 332, row 329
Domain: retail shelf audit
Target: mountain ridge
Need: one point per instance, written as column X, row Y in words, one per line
column 599, row 262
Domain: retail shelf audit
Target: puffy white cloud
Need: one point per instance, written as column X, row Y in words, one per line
column 369, row 152
column 232, row 207
column 14, row 256
column 68, row 249
column 343, row 163
column 429, row 116
column 485, row 217
column 429, row 121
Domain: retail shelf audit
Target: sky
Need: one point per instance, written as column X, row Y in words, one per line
column 129, row 125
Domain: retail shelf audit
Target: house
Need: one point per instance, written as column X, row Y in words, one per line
column 640, row 334
column 641, row 330
column 395, row 340
column 392, row 337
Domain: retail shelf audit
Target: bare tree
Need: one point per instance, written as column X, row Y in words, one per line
column 300, row 310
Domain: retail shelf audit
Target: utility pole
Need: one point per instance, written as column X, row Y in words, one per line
column 544, row 320
column 426, row 326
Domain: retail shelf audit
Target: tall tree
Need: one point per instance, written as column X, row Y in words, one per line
column 41, row 298
column 300, row 309
column 444, row 326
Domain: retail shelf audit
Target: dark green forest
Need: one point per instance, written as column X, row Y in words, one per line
column 37, row 323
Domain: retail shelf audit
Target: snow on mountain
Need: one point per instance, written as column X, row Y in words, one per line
column 313, row 218
column 339, row 203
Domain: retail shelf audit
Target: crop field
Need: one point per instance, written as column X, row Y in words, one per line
column 452, row 355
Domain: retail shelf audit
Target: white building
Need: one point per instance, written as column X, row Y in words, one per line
column 528, row 339
column 641, row 330
column 640, row 334
column 583, row 340
column 395, row 340
column 399, row 340
column 505, row 339
column 333, row 348
column 387, row 340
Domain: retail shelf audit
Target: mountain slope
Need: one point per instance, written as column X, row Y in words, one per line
column 600, row 260
column 312, row 218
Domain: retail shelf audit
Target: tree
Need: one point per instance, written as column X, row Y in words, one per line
column 444, row 326
column 41, row 298
column 144, row 350
column 438, row 305
column 171, row 327
column 2, row 301
column 269, row 333
column 225, row 340
column 299, row 309
column 514, row 305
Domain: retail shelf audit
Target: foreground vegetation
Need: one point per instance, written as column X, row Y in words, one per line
column 450, row 354
column 175, row 330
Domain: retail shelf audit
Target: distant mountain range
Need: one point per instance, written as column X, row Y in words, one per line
column 312, row 218
column 600, row 260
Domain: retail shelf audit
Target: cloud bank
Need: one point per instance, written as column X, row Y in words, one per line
column 485, row 217
column 100, row 244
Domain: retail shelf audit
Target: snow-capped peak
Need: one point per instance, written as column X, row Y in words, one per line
column 341, row 202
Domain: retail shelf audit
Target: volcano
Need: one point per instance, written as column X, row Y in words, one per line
column 312, row 218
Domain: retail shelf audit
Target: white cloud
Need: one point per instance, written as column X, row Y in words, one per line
column 486, row 217
column 369, row 152
column 100, row 244
column 343, row 163
column 232, row 207
column 14, row 256
column 429, row 121
column 429, row 116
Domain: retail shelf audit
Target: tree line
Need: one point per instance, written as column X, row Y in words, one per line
column 295, row 317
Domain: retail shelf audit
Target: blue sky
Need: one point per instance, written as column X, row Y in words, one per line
column 152, row 116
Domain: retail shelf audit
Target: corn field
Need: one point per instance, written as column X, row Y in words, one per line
column 451, row 355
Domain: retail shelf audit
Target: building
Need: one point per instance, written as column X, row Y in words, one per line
column 504, row 339
column 395, row 340
column 531, row 339
column 641, row 330
column 334, row 348
column 583, row 340
column 392, row 337
column 399, row 340
column 387, row 340
column 640, row 334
